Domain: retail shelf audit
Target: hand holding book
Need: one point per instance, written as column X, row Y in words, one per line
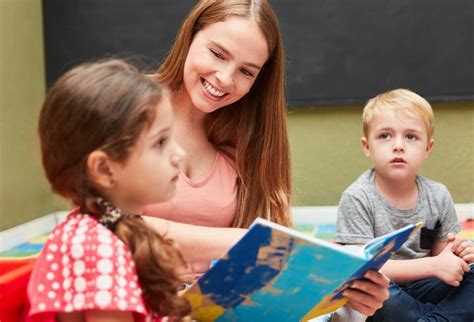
column 278, row 274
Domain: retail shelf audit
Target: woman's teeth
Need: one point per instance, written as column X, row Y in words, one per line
column 212, row 90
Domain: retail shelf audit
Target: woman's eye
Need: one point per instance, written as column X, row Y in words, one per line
column 246, row 72
column 216, row 54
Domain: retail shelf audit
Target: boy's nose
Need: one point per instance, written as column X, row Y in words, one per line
column 398, row 145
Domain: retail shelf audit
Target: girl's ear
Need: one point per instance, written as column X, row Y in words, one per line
column 365, row 146
column 100, row 169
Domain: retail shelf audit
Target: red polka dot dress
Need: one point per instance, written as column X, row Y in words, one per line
column 84, row 266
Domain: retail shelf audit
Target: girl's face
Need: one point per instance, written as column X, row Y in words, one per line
column 223, row 61
column 151, row 170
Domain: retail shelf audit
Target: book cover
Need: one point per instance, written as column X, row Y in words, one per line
column 275, row 273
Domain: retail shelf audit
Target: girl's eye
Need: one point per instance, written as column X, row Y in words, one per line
column 216, row 54
column 246, row 72
column 161, row 142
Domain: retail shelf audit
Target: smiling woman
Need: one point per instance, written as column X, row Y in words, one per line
column 226, row 76
column 225, row 73
column 223, row 62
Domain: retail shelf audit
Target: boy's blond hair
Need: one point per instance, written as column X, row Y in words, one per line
column 402, row 101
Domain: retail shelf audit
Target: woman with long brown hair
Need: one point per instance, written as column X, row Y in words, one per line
column 226, row 76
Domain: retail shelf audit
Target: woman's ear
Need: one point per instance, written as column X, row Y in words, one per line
column 100, row 169
column 365, row 146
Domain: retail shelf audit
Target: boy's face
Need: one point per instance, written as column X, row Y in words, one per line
column 397, row 144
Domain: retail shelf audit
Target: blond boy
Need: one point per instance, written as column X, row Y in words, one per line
column 430, row 281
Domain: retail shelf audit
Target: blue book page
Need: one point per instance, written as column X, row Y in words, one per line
column 389, row 243
column 376, row 253
column 272, row 266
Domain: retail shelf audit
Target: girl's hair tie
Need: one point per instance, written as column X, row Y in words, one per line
column 111, row 215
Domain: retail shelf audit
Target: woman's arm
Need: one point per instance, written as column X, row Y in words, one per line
column 197, row 243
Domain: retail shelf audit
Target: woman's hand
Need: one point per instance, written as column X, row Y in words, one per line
column 367, row 296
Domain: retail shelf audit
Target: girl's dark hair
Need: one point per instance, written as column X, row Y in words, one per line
column 105, row 106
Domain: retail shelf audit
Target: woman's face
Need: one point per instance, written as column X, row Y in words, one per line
column 223, row 61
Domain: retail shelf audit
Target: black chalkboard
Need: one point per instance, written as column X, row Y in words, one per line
column 338, row 51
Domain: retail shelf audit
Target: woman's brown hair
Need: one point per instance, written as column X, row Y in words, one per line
column 256, row 124
column 105, row 106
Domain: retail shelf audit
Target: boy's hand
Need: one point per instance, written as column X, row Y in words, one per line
column 462, row 247
column 367, row 296
column 448, row 267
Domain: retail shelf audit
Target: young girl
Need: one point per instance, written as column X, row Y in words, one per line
column 106, row 134
column 226, row 75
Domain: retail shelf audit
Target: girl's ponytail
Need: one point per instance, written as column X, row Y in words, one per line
column 156, row 259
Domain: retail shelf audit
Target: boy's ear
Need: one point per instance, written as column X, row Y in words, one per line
column 429, row 147
column 365, row 146
column 100, row 169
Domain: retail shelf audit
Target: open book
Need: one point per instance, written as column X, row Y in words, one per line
column 276, row 273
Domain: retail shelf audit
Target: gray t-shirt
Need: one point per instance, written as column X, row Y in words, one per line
column 364, row 214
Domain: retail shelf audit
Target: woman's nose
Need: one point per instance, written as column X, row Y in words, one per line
column 225, row 76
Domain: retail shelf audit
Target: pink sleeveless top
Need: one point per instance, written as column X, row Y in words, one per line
column 211, row 202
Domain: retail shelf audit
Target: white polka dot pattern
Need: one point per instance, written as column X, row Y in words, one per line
column 84, row 266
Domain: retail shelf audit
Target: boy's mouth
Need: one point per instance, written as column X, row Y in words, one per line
column 398, row 160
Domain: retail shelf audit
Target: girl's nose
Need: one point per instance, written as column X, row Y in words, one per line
column 178, row 155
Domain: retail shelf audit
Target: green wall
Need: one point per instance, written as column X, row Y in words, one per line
column 324, row 140
column 23, row 193
column 327, row 156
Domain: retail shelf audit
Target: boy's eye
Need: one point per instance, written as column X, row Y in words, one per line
column 217, row 54
column 384, row 136
column 411, row 137
column 246, row 72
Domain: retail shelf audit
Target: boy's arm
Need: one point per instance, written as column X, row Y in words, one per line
column 445, row 266
column 438, row 247
column 354, row 220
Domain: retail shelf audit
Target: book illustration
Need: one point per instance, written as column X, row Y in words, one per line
column 278, row 274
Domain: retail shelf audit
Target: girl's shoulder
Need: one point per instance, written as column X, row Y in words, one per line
column 84, row 266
